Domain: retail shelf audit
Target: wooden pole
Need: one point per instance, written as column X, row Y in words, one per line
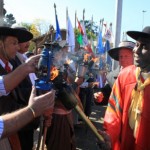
column 88, row 122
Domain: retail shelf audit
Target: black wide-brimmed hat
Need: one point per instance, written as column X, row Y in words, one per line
column 114, row 52
column 19, row 32
column 137, row 34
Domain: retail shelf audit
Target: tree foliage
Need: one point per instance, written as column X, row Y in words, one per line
column 9, row 19
column 91, row 29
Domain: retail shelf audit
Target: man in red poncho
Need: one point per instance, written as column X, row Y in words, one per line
column 127, row 121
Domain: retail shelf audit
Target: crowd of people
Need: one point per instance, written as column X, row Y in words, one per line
column 126, row 94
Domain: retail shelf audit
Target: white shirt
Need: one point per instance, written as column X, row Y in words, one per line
column 2, row 87
column 1, row 126
column 23, row 58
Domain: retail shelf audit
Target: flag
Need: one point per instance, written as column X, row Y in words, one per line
column 89, row 50
column 58, row 32
column 108, row 58
column 108, row 34
column 100, row 80
column 101, row 63
column 85, row 39
column 81, row 33
column 100, row 48
column 93, row 47
column 70, row 36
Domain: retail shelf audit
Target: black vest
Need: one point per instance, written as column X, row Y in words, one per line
column 8, row 103
column 23, row 90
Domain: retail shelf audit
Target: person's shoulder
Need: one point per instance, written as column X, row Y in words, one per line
column 128, row 70
column 127, row 73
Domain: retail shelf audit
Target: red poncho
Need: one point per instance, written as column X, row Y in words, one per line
column 116, row 118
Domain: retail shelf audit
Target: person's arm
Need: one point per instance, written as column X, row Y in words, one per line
column 14, row 121
column 37, row 105
column 12, row 79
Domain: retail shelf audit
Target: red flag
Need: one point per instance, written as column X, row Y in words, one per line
column 80, row 27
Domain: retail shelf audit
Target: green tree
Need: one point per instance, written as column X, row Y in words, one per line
column 9, row 19
column 91, row 29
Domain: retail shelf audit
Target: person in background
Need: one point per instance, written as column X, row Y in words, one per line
column 124, row 54
column 29, row 54
column 60, row 134
column 126, row 120
column 86, row 93
column 39, row 50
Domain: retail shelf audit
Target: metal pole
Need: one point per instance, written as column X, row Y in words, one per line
column 1, row 13
column 118, row 20
column 143, row 19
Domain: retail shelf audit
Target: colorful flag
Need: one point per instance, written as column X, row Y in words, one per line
column 70, row 36
column 58, row 32
column 81, row 33
column 108, row 35
column 100, row 48
column 85, row 39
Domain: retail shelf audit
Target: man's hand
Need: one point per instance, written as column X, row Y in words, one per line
column 31, row 63
column 98, row 97
column 41, row 103
column 106, row 145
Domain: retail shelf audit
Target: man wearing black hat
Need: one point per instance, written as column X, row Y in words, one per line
column 26, row 135
column 9, row 38
column 127, row 116
column 124, row 54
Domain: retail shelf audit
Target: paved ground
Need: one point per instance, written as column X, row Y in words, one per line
column 86, row 139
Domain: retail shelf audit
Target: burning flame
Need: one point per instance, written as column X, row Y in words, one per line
column 95, row 59
column 54, row 72
column 86, row 57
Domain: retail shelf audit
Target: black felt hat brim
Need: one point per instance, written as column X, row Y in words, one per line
column 21, row 35
column 136, row 34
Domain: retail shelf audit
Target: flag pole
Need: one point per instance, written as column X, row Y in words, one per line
column 83, row 14
column 66, row 23
column 75, row 18
column 91, row 30
column 55, row 9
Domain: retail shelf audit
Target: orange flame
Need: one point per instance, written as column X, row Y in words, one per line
column 95, row 59
column 86, row 57
column 54, row 73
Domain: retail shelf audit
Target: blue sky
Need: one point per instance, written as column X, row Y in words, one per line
column 132, row 15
